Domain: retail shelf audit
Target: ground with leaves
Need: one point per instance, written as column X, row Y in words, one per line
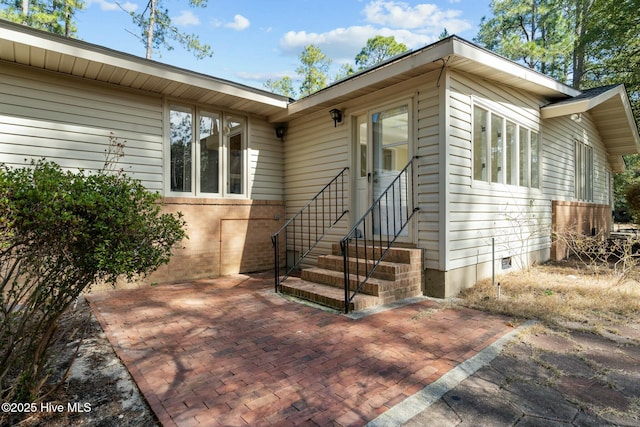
column 96, row 377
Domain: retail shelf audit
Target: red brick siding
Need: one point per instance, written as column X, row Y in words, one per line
column 225, row 237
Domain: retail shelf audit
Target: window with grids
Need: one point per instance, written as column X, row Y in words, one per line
column 207, row 152
column 583, row 158
column 504, row 152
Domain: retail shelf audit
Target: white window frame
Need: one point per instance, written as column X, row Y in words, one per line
column 223, row 153
column 584, row 168
column 502, row 177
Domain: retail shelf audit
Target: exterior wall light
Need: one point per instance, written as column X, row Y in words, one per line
column 336, row 115
column 280, row 131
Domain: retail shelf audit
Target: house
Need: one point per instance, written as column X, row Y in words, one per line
column 497, row 155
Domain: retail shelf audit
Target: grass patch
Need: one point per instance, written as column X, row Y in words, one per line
column 557, row 293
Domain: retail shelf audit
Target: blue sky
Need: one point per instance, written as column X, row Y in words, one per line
column 256, row 40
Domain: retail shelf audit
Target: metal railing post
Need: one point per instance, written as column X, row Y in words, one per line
column 375, row 212
column 298, row 222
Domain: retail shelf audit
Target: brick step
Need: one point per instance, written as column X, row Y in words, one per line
column 397, row 277
column 396, row 254
column 335, row 279
column 410, row 286
column 385, row 270
column 327, row 296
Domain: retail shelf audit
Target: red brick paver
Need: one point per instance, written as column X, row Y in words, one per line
column 230, row 352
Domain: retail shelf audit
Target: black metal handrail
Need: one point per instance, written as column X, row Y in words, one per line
column 374, row 233
column 305, row 229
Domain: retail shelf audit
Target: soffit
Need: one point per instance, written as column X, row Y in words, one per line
column 611, row 112
column 38, row 49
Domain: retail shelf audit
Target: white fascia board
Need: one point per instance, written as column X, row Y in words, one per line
column 583, row 105
column 564, row 109
column 504, row 65
column 374, row 76
column 453, row 46
column 94, row 53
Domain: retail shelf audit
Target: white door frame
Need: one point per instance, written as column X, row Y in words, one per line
column 364, row 175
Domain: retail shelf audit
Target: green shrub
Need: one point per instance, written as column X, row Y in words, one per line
column 61, row 232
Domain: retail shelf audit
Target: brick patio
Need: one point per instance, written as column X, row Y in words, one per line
column 231, row 352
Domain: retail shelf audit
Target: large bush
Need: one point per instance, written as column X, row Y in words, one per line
column 61, row 232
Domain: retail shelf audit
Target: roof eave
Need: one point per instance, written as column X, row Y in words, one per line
column 78, row 49
column 503, row 65
column 618, row 101
column 448, row 48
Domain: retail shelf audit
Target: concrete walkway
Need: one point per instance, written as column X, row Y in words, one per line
column 231, row 352
column 550, row 378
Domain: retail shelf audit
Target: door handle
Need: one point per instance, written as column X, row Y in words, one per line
column 369, row 177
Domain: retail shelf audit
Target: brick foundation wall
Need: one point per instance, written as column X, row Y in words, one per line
column 225, row 237
column 582, row 217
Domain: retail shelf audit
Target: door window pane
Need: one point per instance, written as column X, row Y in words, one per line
column 390, row 133
column 181, row 137
column 362, row 141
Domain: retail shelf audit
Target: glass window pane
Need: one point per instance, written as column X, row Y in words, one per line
column 523, row 144
column 235, row 144
column 362, row 140
column 209, row 153
column 181, row 136
column 390, row 140
column 577, row 153
column 479, row 144
column 590, row 175
column 496, row 148
column 390, row 151
column 511, row 154
column 535, row 163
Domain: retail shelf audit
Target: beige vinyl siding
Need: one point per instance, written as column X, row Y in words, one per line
column 69, row 121
column 516, row 217
column 265, row 161
column 558, row 158
column 315, row 152
column 428, row 175
column 560, row 135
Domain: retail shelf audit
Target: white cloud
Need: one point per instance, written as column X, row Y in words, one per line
column 129, row 7
column 239, row 23
column 261, row 77
column 415, row 26
column 186, row 19
column 343, row 44
column 399, row 14
column 109, row 6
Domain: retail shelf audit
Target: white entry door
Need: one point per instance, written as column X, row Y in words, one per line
column 382, row 145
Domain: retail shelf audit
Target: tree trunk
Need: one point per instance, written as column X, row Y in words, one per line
column 581, row 13
column 152, row 21
column 25, row 11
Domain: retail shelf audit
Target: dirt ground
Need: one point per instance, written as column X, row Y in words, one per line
column 98, row 391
